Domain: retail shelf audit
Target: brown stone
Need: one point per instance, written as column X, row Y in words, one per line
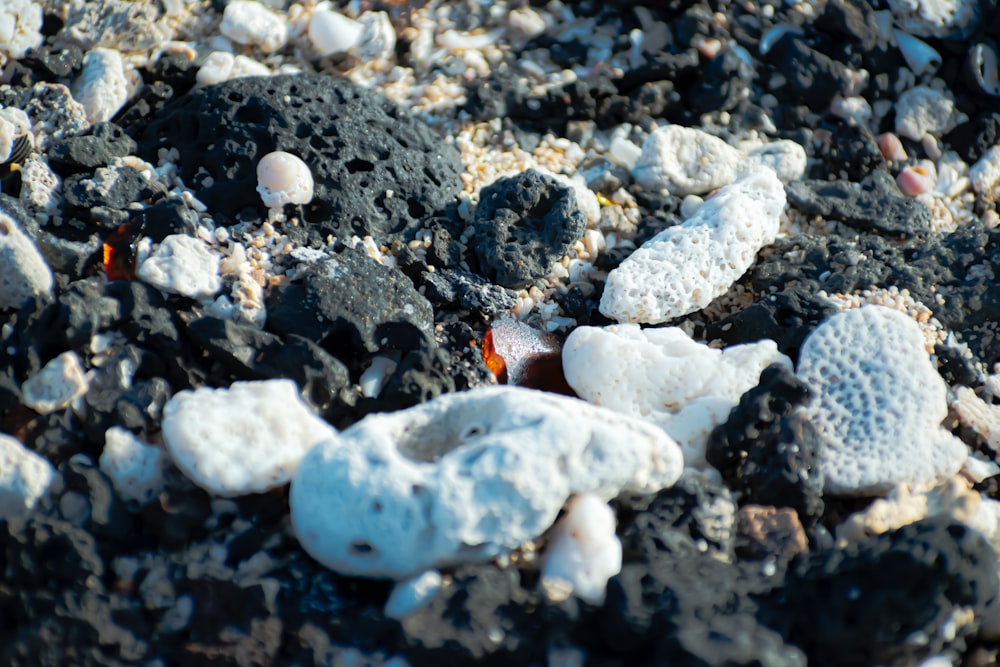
column 764, row 531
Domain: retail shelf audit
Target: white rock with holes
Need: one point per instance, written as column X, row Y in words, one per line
column 683, row 268
column 182, row 265
column 245, row 439
column 665, row 377
column 23, row 271
column 102, row 87
column 879, row 404
column 20, row 27
column 465, row 477
column 134, row 467
column 24, row 477
column 252, row 24
column 583, row 550
column 58, row 384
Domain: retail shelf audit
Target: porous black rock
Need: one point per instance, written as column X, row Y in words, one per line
column 420, row 376
column 851, row 20
column 975, row 136
column 812, row 77
column 858, row 605
column 349, row 298
column 166, row 217
column 523, row 224
column 377, row 171
column 454, row 288
column 98, row 146
column 768, row 451
column 874, row 204
column 848, row 152
column 109, row 189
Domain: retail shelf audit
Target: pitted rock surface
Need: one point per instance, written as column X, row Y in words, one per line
column 523, row 224
column 358, row 145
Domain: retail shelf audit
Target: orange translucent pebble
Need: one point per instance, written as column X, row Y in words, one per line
column 119, row 252
column 520, row 355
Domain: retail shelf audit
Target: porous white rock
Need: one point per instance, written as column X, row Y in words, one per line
column 583, row 550
column 879, row 404
column 410, row 595
column 685, row 161
column 102, row 87
column 250, row 23
column 245, row 439
column 465, row 477
column 924, row 110
column 978, row 415
column 283, row 178
column 331, row 32
column 24, row 477
column 13, row 123
column 20, row 27
column 662, row 375
column 134, row 467
column 683, row 268
column 55, row 386
column 39, row 186
column 222, row 66
column 985, row 173
column 24, row 273
column 182, row 265
column 947, row 19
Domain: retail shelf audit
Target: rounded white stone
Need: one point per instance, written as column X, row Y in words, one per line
column 222, row 66
column 985, row 173
column 879, row 404
column 283, row 178
column 683, row 268
column 465, row 477
column 249, row 22
column 102, row 87
column 55, row 386
column 134, row 467
column 923, row 110
column 685, row 161
column 583, row 549
column 24, row 477
column 24, row 273
column 331, row 32
column 245, row 439
column 182, row 265
column 410, row 595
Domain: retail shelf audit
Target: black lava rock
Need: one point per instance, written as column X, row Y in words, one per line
column 974, row 137
column 113, row 189
column 850, row 153
column 853, row 20
column 107, row 516
column 166, row 217
column 874, row 204
column 377, row 171
column 454, row 288
column 859, row 605
column 421, row 375
column 767, row 451
column 97, row 147
column 523, row 224
column 812, row 77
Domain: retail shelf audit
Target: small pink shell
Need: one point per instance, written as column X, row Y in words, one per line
column 916, row 180
column 891, row 147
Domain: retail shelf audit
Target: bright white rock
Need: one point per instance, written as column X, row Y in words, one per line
column 134, row 467
column 182, row 265
column 283, row 178
column 251, row 23
column 20, row 27
column 465, row 477
column 665, row 377
column 583, row 549
column 923, row 110
column 24, row 273
column 879, row 404
column 55, row 386
column 102, row 87
column 331, row 32
column 683, row 268
column 985, row 173
column 245, row 439
column 221, row 66
column 24, row 477
column 685, row 161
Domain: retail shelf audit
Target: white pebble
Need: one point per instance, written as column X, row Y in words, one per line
column 331, row 32
column 465, row 477
column 583, row 549
column 923, row 110
column 251, row 23
column 685, row 161
column 23, row 271
column 24, row 477
column 20, row 27
column 55, row 386
column 690, row 205
column 283, row 178
column 410, row 595
column 683, row 268
column 183, row 265
column 245, row 439
column 102, row 87
column 222, row 66
column 624, row 152
column 375, row 375
column 985, row 173
column 785, row 157
column 134, row 467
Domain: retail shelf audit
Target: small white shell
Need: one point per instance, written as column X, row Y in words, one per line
column 920, row 57
column 283, row 178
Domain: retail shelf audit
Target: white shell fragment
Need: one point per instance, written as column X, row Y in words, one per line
column 378, row 36
column 134, row 467
column 920, row 56
column 283, row 178
column 13, row 124
column 102, row 87
column 245, row 439
column 251, row 23
column 683, row 268
column 410, row 595
column 879, row 404
column 23, row 271
column 182, row 265
column 55, row 386
column 923, row 110
column 685, row 161
column 221, row 66
column 331, row 32
column 583, row 550
column 466, row 477
column 20, row 27
column 665, row 377
column 24, row 477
